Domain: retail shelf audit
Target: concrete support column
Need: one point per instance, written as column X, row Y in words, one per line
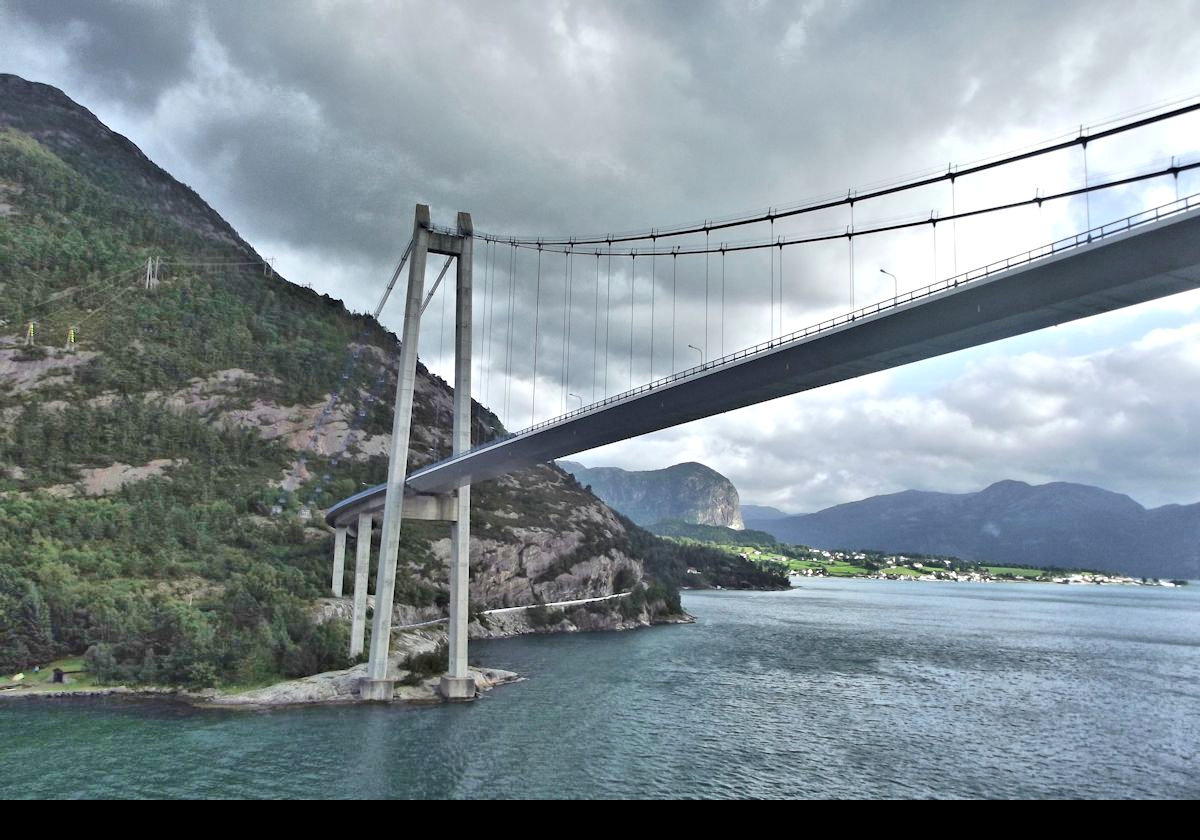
column 339, row 559
column 362, row 567
column 378, row 685
column 457, row 685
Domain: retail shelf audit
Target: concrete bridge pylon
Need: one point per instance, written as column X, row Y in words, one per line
column 457, row 684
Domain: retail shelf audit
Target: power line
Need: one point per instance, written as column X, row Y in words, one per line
column 97, row 287
column 92, row 314
column 212, row 263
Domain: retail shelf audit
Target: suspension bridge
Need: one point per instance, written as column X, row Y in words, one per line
column 1138, row 257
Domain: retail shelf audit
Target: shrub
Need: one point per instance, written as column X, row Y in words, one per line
column 624, row 579
column 421, row 666
column 542, row 616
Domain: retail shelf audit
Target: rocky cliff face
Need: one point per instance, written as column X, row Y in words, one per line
column 688, row 492
column 218, row 412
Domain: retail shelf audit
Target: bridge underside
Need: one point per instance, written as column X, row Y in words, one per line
column 1154, row 261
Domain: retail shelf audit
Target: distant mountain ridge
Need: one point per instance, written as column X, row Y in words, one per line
column 1057, row 524
column 763, row 513
column 688, row 492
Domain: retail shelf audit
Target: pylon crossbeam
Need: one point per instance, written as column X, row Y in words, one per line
column 380, row 680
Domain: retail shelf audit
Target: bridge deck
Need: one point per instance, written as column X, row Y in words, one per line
column 1155, row 258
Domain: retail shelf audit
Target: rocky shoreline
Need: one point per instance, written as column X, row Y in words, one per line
column 341, row 687
column 331, row 688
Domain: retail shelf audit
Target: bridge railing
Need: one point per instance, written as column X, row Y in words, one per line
column 1052, row 249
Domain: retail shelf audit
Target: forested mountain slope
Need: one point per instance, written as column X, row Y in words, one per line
column 155, row 477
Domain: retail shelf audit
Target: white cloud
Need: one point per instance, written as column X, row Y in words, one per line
column 1122, row 418
column 315, row 129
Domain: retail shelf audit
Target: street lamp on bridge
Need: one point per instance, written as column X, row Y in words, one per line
column 701, row 352
column 895, row 283
column 576, row 396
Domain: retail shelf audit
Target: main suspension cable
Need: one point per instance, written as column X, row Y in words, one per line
column 826, row 204
column 851, row 232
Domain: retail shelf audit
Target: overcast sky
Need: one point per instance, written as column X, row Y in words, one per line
column 314, row 129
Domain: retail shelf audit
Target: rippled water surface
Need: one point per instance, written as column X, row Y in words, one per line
column 838, row 688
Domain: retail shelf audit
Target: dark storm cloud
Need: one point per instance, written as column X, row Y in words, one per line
column 582, row 116
column 133, row 51
column 316, row 128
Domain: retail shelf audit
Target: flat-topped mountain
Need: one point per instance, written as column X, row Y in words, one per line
column 1011, row 522
column 687, row 492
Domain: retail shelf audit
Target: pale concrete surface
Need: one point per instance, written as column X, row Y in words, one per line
column 362, row 567
column 339, row 559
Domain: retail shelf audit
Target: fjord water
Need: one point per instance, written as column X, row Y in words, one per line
column 838, row 688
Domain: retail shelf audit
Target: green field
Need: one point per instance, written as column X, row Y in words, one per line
column 797, row 558
column 43, row 680
column 1032, row 574
column 906, row 571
